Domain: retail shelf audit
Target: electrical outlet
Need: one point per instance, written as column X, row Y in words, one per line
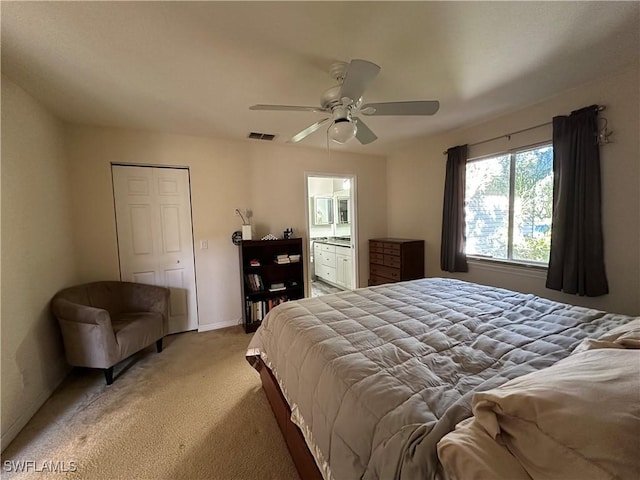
column 204, row 244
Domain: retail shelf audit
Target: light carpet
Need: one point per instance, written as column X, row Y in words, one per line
column 194, row 411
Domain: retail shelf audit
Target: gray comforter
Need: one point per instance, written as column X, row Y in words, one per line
column 375, row 377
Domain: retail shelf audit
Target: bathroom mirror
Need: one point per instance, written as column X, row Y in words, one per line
column 323, row 211
column 342, row 210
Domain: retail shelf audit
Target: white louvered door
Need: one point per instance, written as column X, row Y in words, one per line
column 155, row 239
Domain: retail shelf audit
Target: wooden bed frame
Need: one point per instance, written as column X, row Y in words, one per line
column 302, row 458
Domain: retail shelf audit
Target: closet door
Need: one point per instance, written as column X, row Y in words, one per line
column 155, row 239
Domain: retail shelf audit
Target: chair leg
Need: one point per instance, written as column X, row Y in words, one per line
column 108, row 375
column 159, row 345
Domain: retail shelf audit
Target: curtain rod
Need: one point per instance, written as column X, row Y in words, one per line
column 508, row 135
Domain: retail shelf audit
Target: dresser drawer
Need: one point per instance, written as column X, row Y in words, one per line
column 377, row 280
column 376, row 247
column 391, row 261
column 376, row 258
column 387, row 272
column 392, row 248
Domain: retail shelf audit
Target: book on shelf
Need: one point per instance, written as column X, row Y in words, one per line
column 254, row 262
column 282, row 259
column 252, row 312
column 257, row 310
column 294, row 258
column 254, row 282
column 276, row 287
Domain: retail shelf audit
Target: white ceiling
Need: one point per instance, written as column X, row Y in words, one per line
column 196, row 67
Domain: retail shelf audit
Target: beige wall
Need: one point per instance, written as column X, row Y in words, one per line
column 225, row 175
column 57, row 179
column 37, row 255
column 415, row 184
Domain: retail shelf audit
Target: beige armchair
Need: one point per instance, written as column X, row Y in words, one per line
column 103, row 323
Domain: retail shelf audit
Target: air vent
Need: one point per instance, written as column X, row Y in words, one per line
column 262, row 136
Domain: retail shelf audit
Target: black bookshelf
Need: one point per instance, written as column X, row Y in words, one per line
column 270, row 275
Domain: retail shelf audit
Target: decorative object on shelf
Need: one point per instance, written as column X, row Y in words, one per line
column 247, row 232
column 288, row 233
column 269, row 237
column 247, row 228
column 244, row 222
column 236, row 237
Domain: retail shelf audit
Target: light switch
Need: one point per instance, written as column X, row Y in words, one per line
column 204, row 244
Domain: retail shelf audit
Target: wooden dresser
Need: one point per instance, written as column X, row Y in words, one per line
column 395, row 260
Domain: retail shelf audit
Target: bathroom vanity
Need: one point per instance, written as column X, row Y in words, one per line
column 333, row 262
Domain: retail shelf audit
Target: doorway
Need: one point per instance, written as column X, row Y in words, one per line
column 331, row 220
column 155, row 237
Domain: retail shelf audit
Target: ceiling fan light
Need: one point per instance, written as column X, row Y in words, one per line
column 342, row 131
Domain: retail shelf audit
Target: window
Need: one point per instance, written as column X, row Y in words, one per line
column 508, row 204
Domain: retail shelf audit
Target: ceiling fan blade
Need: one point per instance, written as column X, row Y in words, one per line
column 288, row 108
column 359, row 75
column 308, row 131
column 421, row 107
column 364, row 133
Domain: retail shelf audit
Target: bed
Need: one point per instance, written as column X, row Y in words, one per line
column 374, row 378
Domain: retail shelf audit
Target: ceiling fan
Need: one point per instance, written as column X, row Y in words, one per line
column 344, row 102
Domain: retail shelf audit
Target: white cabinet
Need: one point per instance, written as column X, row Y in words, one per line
column 333, row 264
column 328, row 255
column 343, row 266
column 324, row 259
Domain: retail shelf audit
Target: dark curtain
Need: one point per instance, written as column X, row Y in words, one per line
column 452, row 256
column 576, row 263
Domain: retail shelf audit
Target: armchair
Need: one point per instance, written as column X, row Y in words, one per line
column 103, row 323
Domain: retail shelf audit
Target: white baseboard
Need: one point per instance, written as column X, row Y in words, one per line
column 218, row 325
column 12, row 432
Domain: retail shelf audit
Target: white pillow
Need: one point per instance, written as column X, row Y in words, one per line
column 624, row 336
column 578, row 419
column 469, row 453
